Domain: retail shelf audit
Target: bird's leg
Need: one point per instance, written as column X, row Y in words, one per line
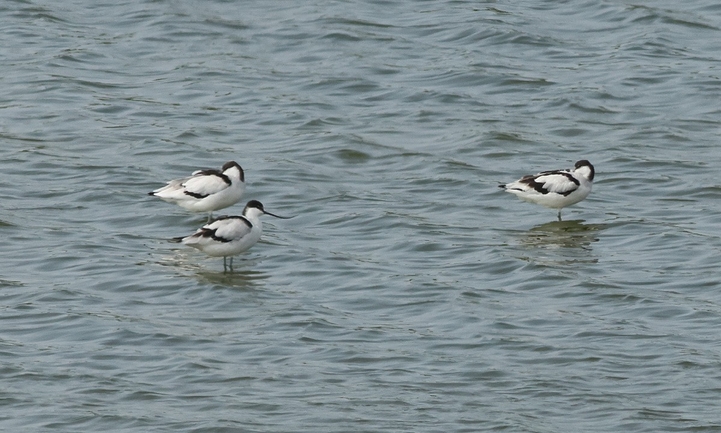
column 210, row 216
column 225, row 266
column 559, row 215
column 231, row 263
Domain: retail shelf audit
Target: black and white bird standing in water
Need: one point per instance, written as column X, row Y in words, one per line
column 228, row 236
column 206, row 190
column 555, row 189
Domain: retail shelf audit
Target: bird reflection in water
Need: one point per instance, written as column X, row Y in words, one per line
column 244, row 279
column 561, row 242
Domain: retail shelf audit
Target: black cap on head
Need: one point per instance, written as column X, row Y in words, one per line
column 586, row 163
column 229, row 164
column 255, row 204
column 583, row 162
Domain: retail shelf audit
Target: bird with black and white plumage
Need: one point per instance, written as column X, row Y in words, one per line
column 555, row 189
column 206, row 190
column 228, row 236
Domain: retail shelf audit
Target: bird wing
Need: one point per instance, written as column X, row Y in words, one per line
column 228, row 228
column 559, row 182
column 204, row 183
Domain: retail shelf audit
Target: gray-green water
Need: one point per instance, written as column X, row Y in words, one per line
column 409, row 294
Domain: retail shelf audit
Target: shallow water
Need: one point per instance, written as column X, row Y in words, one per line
column 408, row 293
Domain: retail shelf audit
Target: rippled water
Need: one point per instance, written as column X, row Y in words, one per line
column 409, row 293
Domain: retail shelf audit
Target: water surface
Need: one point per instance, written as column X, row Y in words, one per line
column 409, row 293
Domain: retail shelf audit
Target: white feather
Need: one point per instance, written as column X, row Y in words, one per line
column 206, row 190
column 555, row 189
column 228, row 236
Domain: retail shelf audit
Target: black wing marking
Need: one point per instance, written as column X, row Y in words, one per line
column 209, row 231
column 560, row 182
column 199, row 188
